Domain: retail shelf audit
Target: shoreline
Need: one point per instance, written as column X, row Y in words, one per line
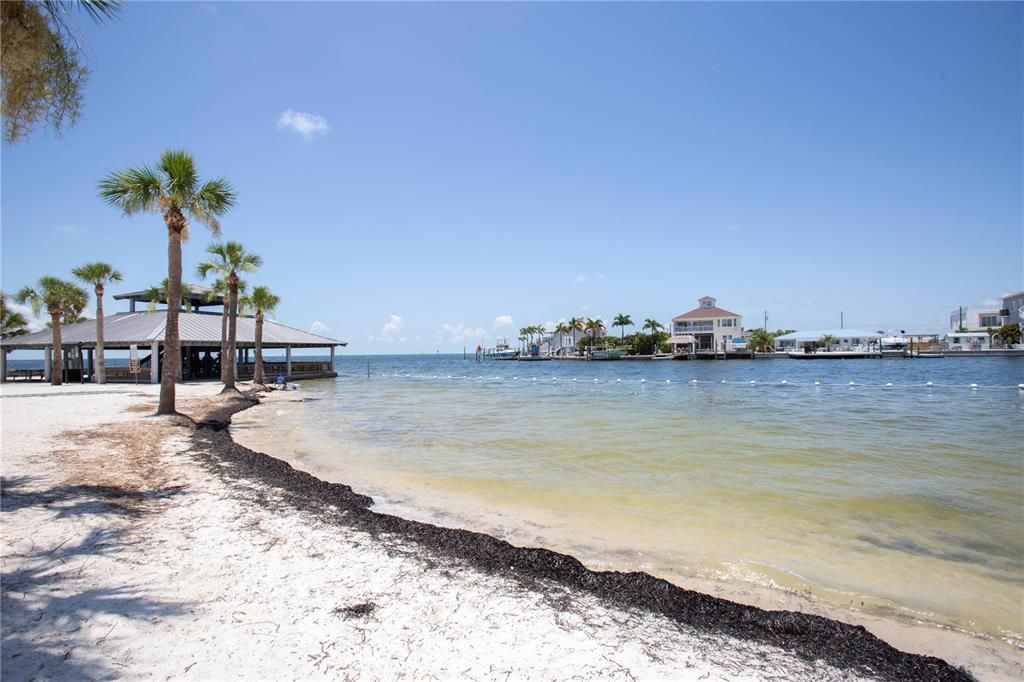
column 810, row 637
column 123, row 531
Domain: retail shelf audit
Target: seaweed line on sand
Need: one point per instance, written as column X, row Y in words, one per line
column 809, row 637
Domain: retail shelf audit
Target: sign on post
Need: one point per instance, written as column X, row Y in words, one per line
column 133, row 361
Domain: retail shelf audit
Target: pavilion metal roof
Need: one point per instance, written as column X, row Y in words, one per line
column 194, row 329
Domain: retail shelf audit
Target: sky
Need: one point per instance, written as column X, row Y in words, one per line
column 428, row 177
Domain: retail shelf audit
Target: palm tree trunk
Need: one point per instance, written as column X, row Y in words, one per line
column 101, row 370
column 223, row 343
column 172, row 343
column 57, row 369
column 257, row 373
column 229, row 379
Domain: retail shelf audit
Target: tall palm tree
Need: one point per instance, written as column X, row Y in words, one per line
column 98, row 274
column 562, row 328
column 653, row 325
column 173, row 190
column 60, row 298
column 12, row 323
column 261, row 301
column 622, row 320
column 220, row 288
column 762, row 341
column 594, row 325
column 229, row 258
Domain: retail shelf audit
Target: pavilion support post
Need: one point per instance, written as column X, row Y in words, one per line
column 92, row 371
column 3, row 365
column 330, row 368
column 154, row 363
column 288, row 361
column 47, row 362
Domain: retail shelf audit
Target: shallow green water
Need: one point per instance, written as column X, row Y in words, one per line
column 906, row 501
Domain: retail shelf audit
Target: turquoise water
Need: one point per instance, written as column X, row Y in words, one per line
column 903, row 500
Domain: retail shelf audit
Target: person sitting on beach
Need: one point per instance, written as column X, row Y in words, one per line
column 282, row 382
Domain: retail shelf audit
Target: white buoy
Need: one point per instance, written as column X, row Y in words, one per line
column 784, row 382
column 643, row 381
column 669, row 381
column 515, row 378
column 817, row 383
column 974, row 386
column 1020, row 386
column 888, row 385
column 693, row 381
column 928, row 384
column 595, row 381
column 554, row 378
column 752, row 383
column 534, row 379
column 853, row 383
column 574, row 378
column 723, row 381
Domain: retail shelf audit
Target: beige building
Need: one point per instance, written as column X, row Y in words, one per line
column 710, row 326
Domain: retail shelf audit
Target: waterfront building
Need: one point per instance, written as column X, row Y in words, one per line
column 856, row 340
column 199, row 333
column 1013, row 308
column 710, row 327
column 967, row 341
column 974, row 319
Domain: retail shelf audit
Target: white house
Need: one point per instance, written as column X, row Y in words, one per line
column 967, row 341
column 710, row 326
column 846, row 339
column 976, row 320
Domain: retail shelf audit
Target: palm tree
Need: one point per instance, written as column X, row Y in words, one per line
column 563, row 329
column 229, row 258
column 12, row 323
column 158, row 294
column 622, row 320
column 653, row 325
column 261, row 302
column 220, row 288
column 173, row 190
column 60, row 298
column 594, row 325
column 98, row 274
column 762, row 341
column 827, row 340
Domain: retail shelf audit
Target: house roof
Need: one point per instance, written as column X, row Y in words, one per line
column 194, row 329
column 705, row 314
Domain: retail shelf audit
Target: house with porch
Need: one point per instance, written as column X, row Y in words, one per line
column 705, row 328
column 141, row 331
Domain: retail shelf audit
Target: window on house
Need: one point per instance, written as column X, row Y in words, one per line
column 989, row 320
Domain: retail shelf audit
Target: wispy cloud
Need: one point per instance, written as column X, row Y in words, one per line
column 388, row 331
column 504, row 321
column 581, row 278
column 34, row 323
column 318, row 327
column 302, row 123
column 459, row 333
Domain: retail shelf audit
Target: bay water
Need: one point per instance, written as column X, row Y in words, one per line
column 849, row 484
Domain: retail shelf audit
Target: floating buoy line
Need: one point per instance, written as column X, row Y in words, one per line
column 708, row 382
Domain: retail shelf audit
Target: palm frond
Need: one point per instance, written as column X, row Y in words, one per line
column 215, row 198
column 180, row 176
column 97, row 274
column 133, row 190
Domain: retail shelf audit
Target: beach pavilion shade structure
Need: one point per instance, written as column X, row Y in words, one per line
column 846, row 339
column 200, row 347
column 197, row 298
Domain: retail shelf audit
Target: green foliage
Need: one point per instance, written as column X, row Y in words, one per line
column 158, row 294
column 652, row 325
column 97, row 274
column 58, row 297
column 43, row 75
column 647, row 344
column 229, row 258
column 762, row 341
column 622, row 320
column 1008, row 334
column 827, row 340
column 172, row 188
column 261, row 301
column 12, row 323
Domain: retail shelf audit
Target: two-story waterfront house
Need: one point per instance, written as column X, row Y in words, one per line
column 710, row 326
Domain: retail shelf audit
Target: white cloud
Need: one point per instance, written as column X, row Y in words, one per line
column 991, row 302
column 34, row 323
column 581, row 278
column 459, row 333
column 504, row 321
column 318, row 327
column 387, row 332
column 307, row 125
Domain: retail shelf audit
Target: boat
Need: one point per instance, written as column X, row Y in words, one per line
column 502, row 351
column 533, row 355
column 606, row 354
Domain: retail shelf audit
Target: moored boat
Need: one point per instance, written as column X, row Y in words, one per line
column 606, row 354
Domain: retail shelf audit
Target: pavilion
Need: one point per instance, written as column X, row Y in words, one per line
column 200, row 335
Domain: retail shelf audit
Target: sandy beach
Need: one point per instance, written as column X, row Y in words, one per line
column 147, row 547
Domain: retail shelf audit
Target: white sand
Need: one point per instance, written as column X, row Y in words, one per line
column 168, row 572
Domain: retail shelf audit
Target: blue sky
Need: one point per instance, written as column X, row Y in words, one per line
column 450, row 167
